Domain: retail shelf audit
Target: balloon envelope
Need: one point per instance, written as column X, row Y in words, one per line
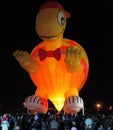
column 57, row 66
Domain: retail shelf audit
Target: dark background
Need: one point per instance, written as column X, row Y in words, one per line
column 90, row 25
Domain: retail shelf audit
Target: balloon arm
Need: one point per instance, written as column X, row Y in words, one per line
column 26, row 61
column 73, row 59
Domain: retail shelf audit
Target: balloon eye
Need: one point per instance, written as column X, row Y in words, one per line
column 61, row 18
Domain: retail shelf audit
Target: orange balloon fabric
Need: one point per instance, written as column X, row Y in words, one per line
column 53, row 81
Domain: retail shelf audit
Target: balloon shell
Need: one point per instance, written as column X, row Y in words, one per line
column 73, row 104
column 36, row 104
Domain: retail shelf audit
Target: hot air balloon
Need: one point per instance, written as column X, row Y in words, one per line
column 57, row 66
column 36, row 104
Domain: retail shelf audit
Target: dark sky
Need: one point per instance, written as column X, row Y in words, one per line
column 90, row 25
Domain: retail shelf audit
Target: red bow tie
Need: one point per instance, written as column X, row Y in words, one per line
column 43, row 54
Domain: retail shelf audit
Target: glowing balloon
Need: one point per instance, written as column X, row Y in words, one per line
column 73, row 104
column 57, row 66
column 36, row 104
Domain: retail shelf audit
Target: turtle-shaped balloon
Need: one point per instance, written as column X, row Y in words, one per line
column 57, row 66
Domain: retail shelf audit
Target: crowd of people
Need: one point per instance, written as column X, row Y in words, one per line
column 60, row 121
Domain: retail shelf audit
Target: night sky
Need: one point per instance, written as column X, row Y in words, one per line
column 90, row 25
